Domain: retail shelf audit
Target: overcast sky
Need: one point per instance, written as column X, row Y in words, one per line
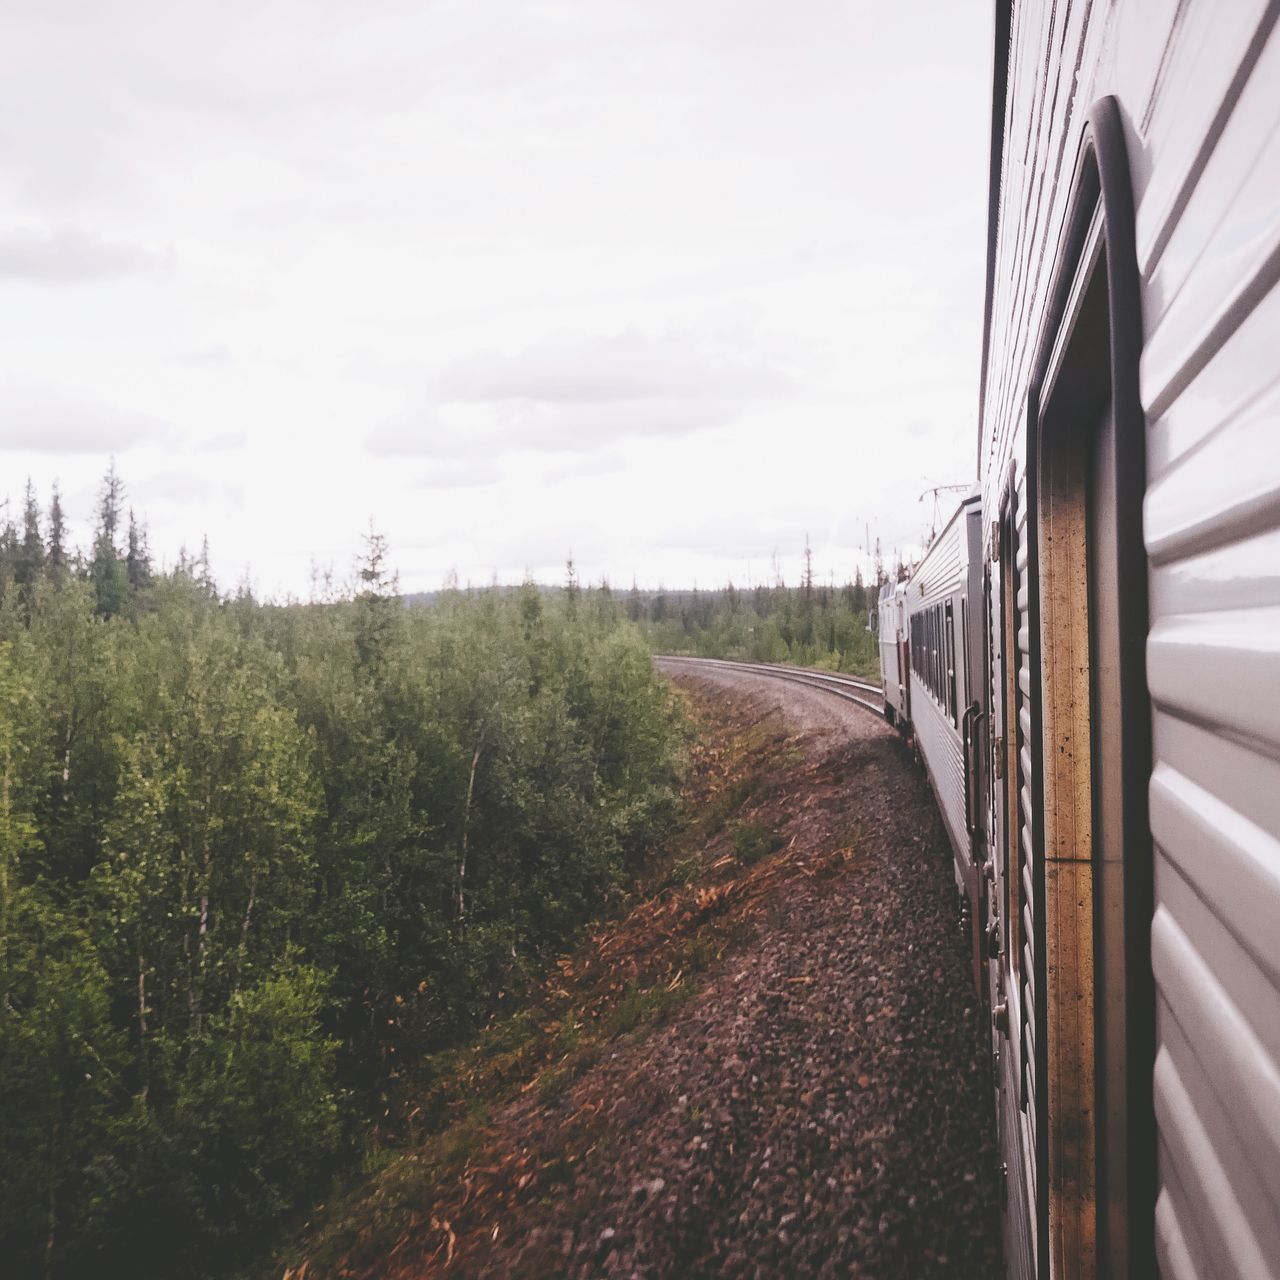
column 664, row 284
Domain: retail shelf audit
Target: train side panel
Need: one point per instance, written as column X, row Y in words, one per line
column 888, row 610
column 1196, row 90
column 936, row 611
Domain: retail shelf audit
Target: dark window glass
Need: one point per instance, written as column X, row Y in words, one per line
column 951, row 663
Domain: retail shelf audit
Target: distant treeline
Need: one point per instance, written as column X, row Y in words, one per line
column 812, row 624
column 257, row 861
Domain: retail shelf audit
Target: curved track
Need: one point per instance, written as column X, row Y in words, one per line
column 847, row 687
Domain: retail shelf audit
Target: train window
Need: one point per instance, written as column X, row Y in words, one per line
column 931, row 678
column 936, row 649
column 939, row 656
column 942, row 659
column 925, row 664
column 933, row 656
column 928, row 624
column 951, row 663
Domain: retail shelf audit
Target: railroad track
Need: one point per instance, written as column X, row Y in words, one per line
column 846, row 687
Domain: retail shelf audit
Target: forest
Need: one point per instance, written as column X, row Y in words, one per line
column 813, row 624
column 258, row 861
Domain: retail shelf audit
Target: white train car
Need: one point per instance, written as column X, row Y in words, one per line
column 943, row 678
column 1129, row 457
column 892, row 619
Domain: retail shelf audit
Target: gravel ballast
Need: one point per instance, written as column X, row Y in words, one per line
column 820, row 1106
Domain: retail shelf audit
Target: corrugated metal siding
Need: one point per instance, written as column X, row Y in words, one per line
column 891, row 673
column 889, row 661
column 940, row 746
column 1209, row 236
column 941, row 576
column 1205, row 129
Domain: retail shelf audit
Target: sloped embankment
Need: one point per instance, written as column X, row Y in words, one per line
column 772, row 1065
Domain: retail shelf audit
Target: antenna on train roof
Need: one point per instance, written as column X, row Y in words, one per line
column 936, row 490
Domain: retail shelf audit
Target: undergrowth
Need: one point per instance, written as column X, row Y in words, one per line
column 639, row 967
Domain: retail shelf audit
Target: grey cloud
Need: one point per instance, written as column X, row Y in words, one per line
column 222, row 443
column 549, row 427
column 215, row 355
column 175, row 487
column 580, row 467
column 461, row 473
column 69, row 257
column 426, row 436
column 586, row 427
column 626, row 367
column 582, row 397
column 42, row 420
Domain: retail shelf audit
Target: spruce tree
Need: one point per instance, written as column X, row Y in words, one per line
column 203, row 574
column 31, row 553
column 807, row 634
column 377, row 603
column 571, row 587
column 137, row 560
column 56, row 559
column 106, row 570
column 10, row 552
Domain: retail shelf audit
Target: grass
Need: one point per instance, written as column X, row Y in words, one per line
column 753, row 843
column 552, row 1042
column 556, row 1079
column 648, row 1008
column 698, row 954
column 716, row 816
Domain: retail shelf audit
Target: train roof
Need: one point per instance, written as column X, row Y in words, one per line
column 999, row 87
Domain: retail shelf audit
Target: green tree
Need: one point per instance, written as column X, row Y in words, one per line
column 137, row 560
column 57, row 556
column 31, row 553
column 106, row 569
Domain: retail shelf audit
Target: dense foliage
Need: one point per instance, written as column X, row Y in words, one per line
column 810, row 625
column 256, row 861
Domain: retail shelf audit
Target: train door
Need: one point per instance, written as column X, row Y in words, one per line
column 1011, row 936
column 972, row 714
column 904, row 655
column 1088, row 440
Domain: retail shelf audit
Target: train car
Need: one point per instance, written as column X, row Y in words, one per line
column 894, row 664
column 944, row 635
column 1129, row 458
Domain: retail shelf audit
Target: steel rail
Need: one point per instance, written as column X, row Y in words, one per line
column 826, row 681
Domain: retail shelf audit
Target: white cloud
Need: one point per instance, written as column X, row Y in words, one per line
column 69, row 256
column 218, row 354
column 223, row 442
column 582, row 397
column 175, row 487
column 49, row 420
column 461, row 473
column 625, row 367
column 659, row 282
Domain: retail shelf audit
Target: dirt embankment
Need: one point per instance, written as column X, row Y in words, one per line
column 773, row 1065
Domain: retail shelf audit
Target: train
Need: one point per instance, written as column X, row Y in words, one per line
column 1087, row 658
